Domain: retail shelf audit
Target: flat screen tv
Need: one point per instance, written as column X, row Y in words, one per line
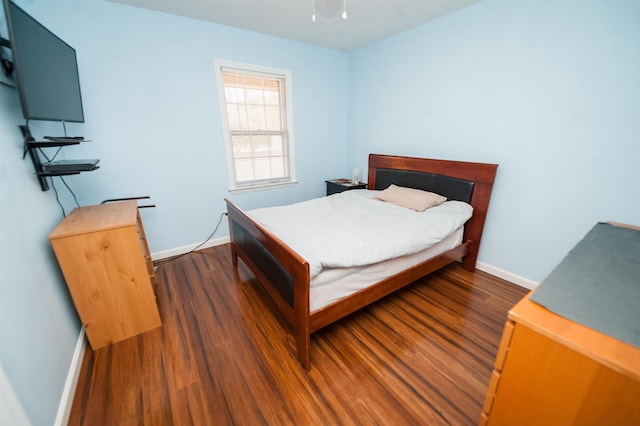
column 45, row 68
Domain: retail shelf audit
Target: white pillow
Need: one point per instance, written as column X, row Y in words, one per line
column 414, row 199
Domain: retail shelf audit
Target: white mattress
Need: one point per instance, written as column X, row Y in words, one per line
column 353, row 228
column 333, row 284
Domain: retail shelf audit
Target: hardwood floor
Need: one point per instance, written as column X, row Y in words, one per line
column 423, row 355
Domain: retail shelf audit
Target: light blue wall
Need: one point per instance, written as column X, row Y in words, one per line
column 550, row 90
column 38, row 325
column 151, row 109
column 547, row 89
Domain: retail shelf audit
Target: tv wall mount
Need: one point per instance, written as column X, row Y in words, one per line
column 7, row 65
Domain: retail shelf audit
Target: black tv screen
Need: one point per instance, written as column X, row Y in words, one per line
column 46, row 69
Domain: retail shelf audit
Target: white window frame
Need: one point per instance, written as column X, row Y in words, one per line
column 285, row 75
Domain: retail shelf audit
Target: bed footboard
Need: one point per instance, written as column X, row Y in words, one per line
column 280, row 270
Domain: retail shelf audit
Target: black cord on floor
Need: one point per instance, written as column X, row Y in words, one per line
column 162, row 262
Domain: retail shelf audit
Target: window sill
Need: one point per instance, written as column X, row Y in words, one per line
column 265, row 187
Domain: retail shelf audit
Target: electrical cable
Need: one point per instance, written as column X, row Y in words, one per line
column 61, row 178
column 54, row 155
column 45, row 155
column 198, row 246
column 55, row 190
column 70, row 190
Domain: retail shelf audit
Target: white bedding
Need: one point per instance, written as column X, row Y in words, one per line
column 352, row 228
column 336, row 283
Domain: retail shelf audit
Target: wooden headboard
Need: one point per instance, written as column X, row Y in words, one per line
column 456, row 180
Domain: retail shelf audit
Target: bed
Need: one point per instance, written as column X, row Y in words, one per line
column 286, row 276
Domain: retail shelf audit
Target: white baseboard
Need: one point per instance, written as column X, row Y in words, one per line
column 489, row 269
column 11, row 409
column 501, row 273
column 186, row 249
column 66, row 401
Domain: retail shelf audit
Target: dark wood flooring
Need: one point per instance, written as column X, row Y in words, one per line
column 423, row 355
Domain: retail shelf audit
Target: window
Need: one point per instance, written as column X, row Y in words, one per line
column 255, row 103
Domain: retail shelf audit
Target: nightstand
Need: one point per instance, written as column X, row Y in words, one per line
column 338, row 185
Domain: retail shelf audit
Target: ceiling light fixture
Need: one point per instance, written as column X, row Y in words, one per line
column 328, row 8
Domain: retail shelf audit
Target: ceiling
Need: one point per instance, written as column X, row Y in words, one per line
column 368, row 20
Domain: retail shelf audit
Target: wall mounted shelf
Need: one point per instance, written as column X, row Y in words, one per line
column 31, row 147
column 50, row 144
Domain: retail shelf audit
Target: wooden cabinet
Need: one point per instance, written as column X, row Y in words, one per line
column 104, row 256
column 570, row 353
column 552, row 371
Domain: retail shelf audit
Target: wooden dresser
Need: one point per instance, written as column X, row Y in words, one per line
column 551, row 370
column 104, row 256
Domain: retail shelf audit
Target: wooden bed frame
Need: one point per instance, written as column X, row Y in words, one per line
column 285, row 275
